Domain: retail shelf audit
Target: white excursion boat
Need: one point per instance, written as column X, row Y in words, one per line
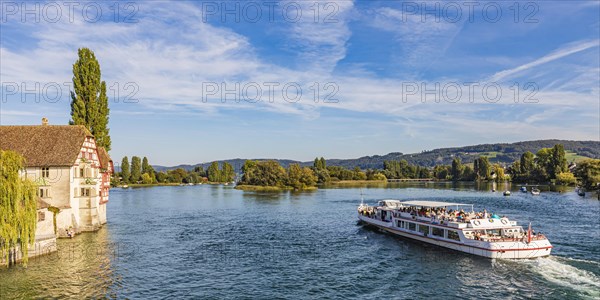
column 447, row 225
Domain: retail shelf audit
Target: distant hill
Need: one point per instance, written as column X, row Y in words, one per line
column 505, row 153
column 237, row 164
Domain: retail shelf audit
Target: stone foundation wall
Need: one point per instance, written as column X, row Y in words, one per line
column 42, row 246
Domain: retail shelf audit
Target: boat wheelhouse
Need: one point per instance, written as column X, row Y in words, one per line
column 449, row 225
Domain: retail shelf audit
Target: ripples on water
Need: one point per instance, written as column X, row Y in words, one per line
column 217, row 242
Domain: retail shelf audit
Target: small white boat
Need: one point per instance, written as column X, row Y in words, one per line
column 125, row 186
column 506, row 193
column 523, row 189
column 445, row 224
column 535, row 191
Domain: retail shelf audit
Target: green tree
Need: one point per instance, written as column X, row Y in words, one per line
column 18, row 206
column 148, row 169
column 588, row 172
column 145, row 165
column 322, row 175
column 482, row 168
column 200, row 171
column 89, row 103
column 441, row 172
column 136, row 169
column 566, row 178
column 543, row 161
column 264, row 173
column 467, row 174
column 294, row 173
column 227, row 173
column 308, row 177
column 558, row 160
column 526, row 165
column 177, row 175
column 214, row 174
column 248, row 171
column 319, row 164
column 357, row 174
column 457, row 169
column 300, row 178
column 499, row 171
column 125, row 170
column 322, row 163
column 146, row 179
column 162, row 177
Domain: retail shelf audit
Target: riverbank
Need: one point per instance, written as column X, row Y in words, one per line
column 357, row 182
column 136, row 185
column 258, row 188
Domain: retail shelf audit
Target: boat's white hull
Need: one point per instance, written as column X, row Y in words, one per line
column 507, row 250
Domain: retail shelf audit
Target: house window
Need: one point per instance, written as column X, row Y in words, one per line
column 41, row 216
column 44, row 193
column 45, row 172
column 85, row 192
column 81, row 172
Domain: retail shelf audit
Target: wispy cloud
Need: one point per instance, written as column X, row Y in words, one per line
column 171, row 52
column 560, row 53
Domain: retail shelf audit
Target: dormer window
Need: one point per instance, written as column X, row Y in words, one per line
column 45, row 172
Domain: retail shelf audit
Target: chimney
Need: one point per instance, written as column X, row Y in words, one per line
column 44, row 121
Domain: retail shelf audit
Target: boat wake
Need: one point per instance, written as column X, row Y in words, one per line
column 557, row 271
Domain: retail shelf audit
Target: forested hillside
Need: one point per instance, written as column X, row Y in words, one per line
column 505, row 153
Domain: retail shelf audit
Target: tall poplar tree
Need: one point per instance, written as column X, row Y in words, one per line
column 136, row 169
column 89, row 103
column 125, row 170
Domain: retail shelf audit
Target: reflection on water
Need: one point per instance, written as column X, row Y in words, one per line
column 82, row 266
column 457, row 186
column 218, row 242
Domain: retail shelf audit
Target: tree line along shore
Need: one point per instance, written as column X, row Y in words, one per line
column 547, row 165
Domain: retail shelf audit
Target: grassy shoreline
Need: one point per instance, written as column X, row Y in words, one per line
column 357, row 181
column 258, row 188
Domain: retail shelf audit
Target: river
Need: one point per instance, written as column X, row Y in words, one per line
column 217, row 242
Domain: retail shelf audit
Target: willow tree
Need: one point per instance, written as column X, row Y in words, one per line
column 89, row 103
column 18, row 206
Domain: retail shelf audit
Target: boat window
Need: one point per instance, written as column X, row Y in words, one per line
column 424, row 229
column 437, row 231
column 453, row 235
column 412, row 226
column 495, row 232
column 399, row 224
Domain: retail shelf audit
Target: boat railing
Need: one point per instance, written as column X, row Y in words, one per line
column 537, row 237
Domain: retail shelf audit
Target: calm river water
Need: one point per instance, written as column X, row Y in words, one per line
column 217, row 242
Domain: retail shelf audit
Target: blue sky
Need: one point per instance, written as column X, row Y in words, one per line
column 372, row 54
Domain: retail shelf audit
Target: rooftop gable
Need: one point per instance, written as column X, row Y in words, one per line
column 45, row 145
